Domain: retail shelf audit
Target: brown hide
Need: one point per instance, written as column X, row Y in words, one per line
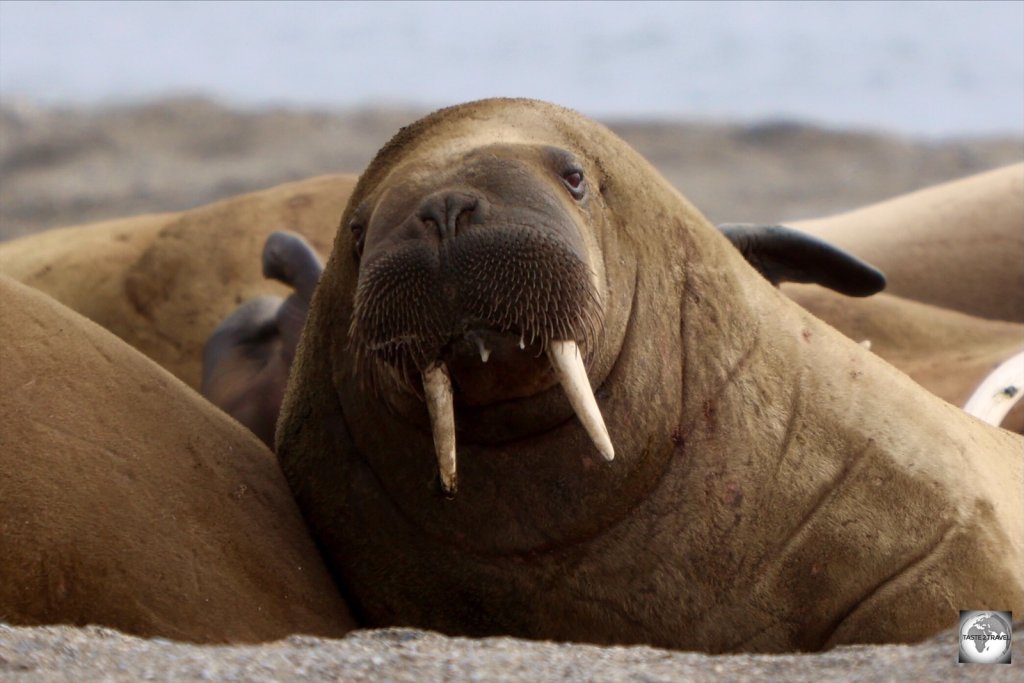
column 128, row 501
column 163, row 282
column 945, row 351
column 775, row 486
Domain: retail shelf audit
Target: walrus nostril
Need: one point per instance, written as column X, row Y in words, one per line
column 449, row 213
column 464, row 218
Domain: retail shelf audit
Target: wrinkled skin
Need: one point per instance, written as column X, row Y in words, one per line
column 776, row 486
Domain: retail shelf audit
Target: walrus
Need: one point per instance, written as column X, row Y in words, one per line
column 163, row 282
column 128, row 501
column 538, row 394
column 958, row 245
column 247, row 358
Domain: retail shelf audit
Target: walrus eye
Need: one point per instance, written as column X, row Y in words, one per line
column 573, row 179
column 358, row 236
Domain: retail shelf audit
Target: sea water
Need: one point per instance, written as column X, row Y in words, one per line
column 917, row 68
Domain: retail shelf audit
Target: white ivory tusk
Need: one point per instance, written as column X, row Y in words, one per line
column 568, row 364
column 485, row 352
column 437, row 389
column 998, row 392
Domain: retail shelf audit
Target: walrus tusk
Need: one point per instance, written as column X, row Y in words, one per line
column 999, row 392
column 568, row 364
column 437, row 388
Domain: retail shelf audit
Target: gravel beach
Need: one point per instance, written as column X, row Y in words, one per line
column 97, row 654
column 66, row 166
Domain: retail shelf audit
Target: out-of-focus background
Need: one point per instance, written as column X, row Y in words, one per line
column 756, row 111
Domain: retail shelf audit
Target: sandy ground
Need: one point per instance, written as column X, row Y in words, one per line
column 66, row 167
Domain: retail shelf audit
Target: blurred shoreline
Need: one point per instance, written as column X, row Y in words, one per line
column 67, row 165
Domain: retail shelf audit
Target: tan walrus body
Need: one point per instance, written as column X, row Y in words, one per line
column 126, row 500
column 163, row 282
column 774, row 486
column 959, row 245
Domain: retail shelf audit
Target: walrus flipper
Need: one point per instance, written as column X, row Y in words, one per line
column 288, row 258
column 783, row 254
column 245, row 331
column 247, row 358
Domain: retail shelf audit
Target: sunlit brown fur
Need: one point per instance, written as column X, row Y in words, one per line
column 776, row 486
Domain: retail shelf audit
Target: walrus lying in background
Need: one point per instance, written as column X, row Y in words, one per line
column 163, row 282
column 742, row 476
column 127, row 500
column 959, row 245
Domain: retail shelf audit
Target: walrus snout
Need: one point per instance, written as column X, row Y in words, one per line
column 414, row 305
column 496, row 247
column 489, row 260
column 449, row 213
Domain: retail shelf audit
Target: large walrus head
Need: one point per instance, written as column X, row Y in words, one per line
column 773, row 485
column 488, row 249
column 480, row 282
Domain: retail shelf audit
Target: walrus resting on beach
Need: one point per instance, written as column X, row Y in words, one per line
column 958, row 245
column 163, row 282
column 742, row 476
column 127, row 500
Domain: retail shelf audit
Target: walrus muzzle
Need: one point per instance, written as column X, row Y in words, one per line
column 478, row 298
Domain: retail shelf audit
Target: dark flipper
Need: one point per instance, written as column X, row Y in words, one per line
column 247, row 358
column 288, row 258
column 782, row 254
